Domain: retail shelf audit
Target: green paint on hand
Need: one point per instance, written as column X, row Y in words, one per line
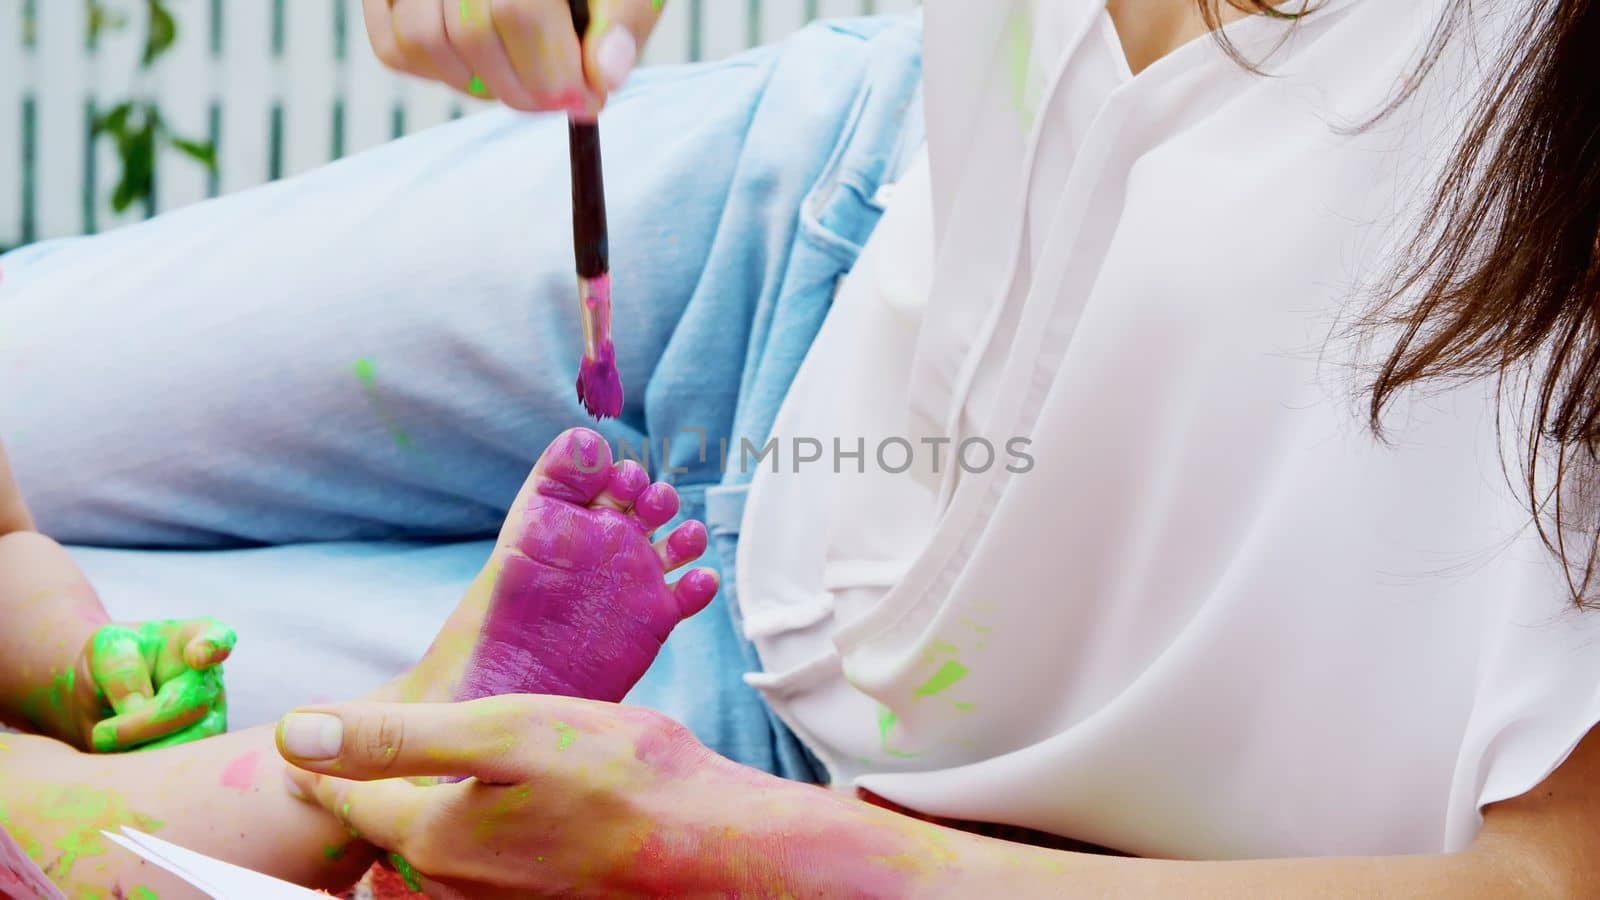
column 189, row 690
column 466, row 12
column 657, row 4
column 567, row 733
column 407, row 873
column 332, row 853
column 140, row 892
column 215, row 722
column 365, row 372
column 122, row 657
column 477, row 88
column 948, row 674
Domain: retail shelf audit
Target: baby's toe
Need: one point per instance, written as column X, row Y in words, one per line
column 576, row 467
column 694, row 590
column 683, row 546
column 628, row 481
column 656, row 506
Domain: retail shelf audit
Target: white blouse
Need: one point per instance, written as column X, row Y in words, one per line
column 1204, row 614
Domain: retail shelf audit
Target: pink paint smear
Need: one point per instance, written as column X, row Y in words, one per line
column 240, row 774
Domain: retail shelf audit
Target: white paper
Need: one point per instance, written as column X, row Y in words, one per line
column 223, row 881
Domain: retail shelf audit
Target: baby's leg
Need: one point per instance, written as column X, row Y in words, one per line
column 574, row 600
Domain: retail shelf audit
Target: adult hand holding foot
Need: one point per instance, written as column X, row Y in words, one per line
column 523, row 52
column 568, row 797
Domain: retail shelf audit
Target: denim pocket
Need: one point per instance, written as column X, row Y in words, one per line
column 724, row 510
column 880, row 132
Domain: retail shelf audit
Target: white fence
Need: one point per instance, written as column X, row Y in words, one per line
column 278, row 86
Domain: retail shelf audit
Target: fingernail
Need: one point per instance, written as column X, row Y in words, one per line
column 292, row 786
column 104, row 737
column 312, row 736
column 615, row 56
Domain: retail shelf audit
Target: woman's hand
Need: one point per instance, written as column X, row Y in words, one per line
column 568, row 797
column 524, row 52
column 563, row 797
column 151, row 685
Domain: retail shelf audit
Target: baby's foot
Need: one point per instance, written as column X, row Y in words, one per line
column 574, row 600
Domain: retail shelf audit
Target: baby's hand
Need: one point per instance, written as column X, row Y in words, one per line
column 153, row 684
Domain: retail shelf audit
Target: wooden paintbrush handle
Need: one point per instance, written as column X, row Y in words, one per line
column 590, row 244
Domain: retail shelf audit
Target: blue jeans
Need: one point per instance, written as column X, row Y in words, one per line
column 376, row 352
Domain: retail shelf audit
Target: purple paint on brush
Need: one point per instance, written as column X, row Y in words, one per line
column 599, row 384
column 581, row 605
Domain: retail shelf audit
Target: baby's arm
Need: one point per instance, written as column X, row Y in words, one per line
column 61, row 665
column 223, row 797
column 48, row 613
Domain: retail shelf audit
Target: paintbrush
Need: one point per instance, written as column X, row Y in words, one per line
column 599, row 385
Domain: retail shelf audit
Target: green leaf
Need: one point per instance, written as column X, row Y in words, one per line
column 203, row 152
column 162, row 35
column 123, row 196
column 114, row 120
column 138, row 167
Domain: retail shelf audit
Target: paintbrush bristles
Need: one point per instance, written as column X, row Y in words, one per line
column 599, row 383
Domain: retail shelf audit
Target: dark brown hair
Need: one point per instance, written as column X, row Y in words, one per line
column 1503, row 280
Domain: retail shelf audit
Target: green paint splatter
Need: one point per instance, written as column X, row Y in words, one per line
column 964, row 707
column 466, row 12
column 74, row 846
column 567, row 735
column 886, row 723
column 367, row 374
column 657, row 4
column 332, row 853
column 407, row 873
column 477, row 88
column 1025, row 90
column 140, row 892
column 944, row 647
column 86, row 813
column 947, row 675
